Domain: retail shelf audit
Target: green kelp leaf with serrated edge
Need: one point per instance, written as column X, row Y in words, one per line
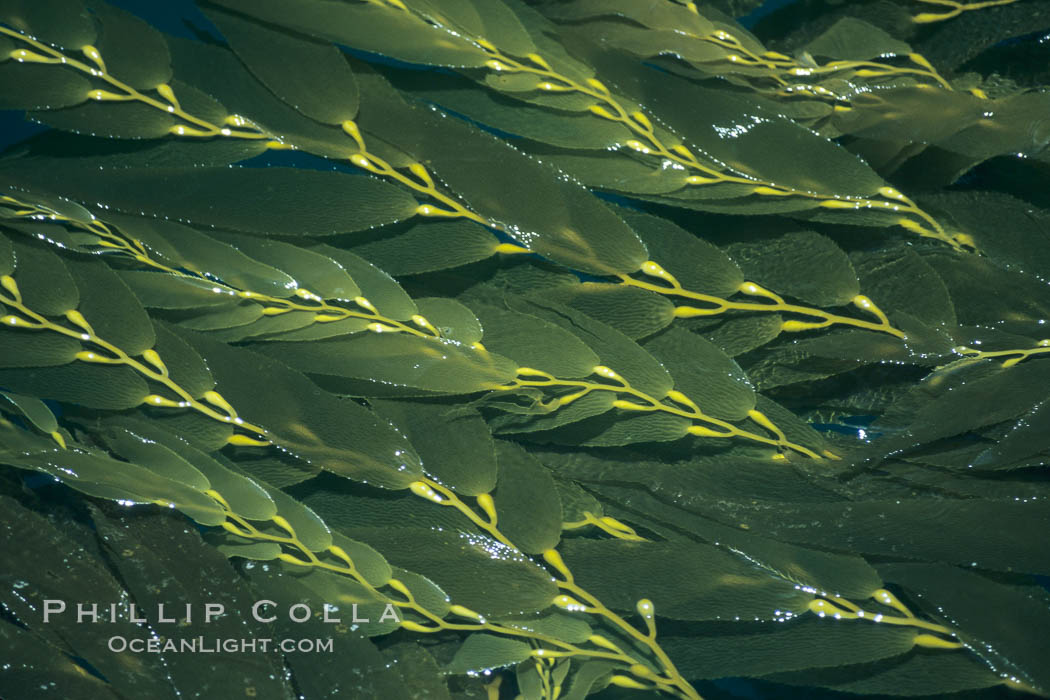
column 267, row 327
column 482, row 653
column 43, row 279
column 316, row 331
column 63, row 22
column 637, row 313
column 901, row 280
column 427, row 593
column 804, row 264
column 567, row 626
column 505, row 28
column 150, row 556
column 113, row 311
column 232, row 546
column 56, row 234
column 530, row 682
column 431, row 364
column 26, row 348
column 453, row 442
column 589, row 676
column 685, row 581
column 825, row 355
column 340, row 435
column 160, row 290
column 35, row 410
column 704, row 373
column 375, row 673
column 157, row 458
column 488, row 577
column 1006, row 229
column 118, row 120
column 740, row 334
column 662, row 16
column 533, row 202
column 308, row 526
column 217, row 72
column 55, row 547
column 33, row 86
column 381, row 29
column 1027, row 437
column 182, row 246
column 31, row 659
column 509, row 115
column 801, row 644
column 284, row 201
column 619, row 428
column 916, row 674
column 731, row 129
column 94, row 386
column 368, row 562
column 346, row 508
column 527, row 501
column 854, row 39
column 244, row 495
column 625, row 174
column 533, row 342
column 1003, row 394
column 994, row 619
column 452, row 319
column 795, row 429
column 327, row 595
column 240, row 315
column 313, row 77
column 135, row 53
column 311, row 270
column 575, row 502
column 104, row 477
column 377, row 286
column 982, row 290
column 196, row 428
column 533, row 418
column 941, row 529
column 616, row 350
column 277, row 469
column 697, row 265
column 719, row 483
column 430, row 245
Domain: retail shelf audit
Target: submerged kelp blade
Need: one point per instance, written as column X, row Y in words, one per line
column 684, row 581
column 338, row 434
column 444, row 366
column 300, row 202
column 576, row 339
column 489, row 577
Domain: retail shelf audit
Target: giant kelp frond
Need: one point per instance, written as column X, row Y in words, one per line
column 537, row 335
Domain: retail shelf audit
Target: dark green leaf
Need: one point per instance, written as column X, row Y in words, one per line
column 489, row 577
column 453, row 443
column 805, row 265
column 340, row 435
column 311, row 76
column 483, row 653
column 527, row 502
column 110, row 307
column 704, row 373
column 432, row 364
column 429, row 246
column 533, row 342
column 135, row 53
column 34, row 86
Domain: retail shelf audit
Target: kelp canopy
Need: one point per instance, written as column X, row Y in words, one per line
column 605, row 346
